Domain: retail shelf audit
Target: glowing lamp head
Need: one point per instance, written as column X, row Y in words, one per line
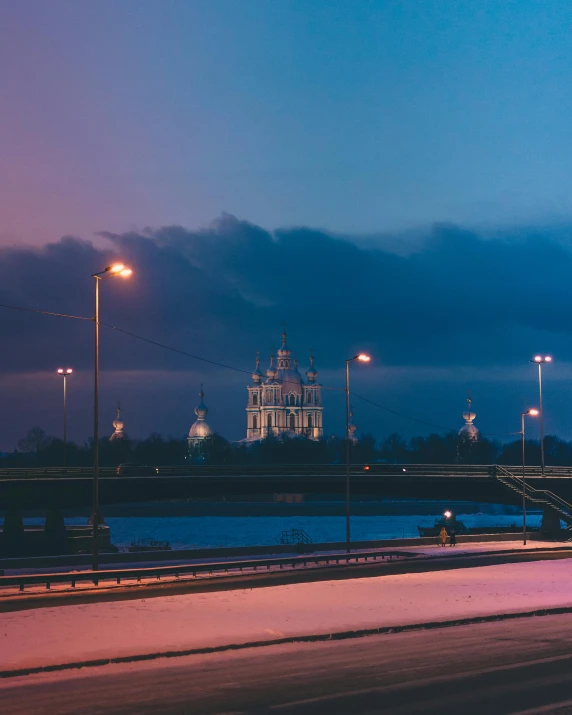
column 548, row 358
column 125, row 272
column 60, row 371
column 366, row 468
column 116, row 268
column 538, row 358
column 532, row 413
column 448, row 514
column 69, row 371
column 362, row 357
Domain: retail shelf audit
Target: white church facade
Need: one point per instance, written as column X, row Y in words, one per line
column 284, row 403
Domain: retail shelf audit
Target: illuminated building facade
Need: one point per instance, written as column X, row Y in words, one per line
column 284, row 403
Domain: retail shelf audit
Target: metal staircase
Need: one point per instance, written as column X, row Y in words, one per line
column 536, row 496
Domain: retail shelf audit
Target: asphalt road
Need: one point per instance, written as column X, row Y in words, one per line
column 522, row 666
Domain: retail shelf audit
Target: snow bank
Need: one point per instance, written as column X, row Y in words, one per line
column 80, row 632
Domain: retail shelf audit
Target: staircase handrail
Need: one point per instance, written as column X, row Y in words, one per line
column 531, row 491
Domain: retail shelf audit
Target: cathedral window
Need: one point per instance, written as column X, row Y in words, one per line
column 254, row 422
column 309, row 397
column 292, row 420
column 269, row 420
column 254, row 398
column 292, row 400
column 309, row 420
column 268, row 395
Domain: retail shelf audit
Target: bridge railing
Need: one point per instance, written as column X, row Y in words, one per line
column 224, row 470
column 230, row 567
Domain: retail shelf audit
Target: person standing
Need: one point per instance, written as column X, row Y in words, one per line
column 453, row 535
column 443, row 536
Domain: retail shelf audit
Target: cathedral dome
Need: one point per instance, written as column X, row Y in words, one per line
column 118, row 426
column 201, row 409
column 272, row 371
column 200, row 429
column 283, row 351
column 311, row 372
column 469, row 430
column 291, row 381
column 257, row 374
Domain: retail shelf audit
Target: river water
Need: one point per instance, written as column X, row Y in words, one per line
column 213, row 531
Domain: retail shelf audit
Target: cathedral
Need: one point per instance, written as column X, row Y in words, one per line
column 200, row 431
column 283, row 403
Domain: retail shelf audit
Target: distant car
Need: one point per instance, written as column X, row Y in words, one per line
column 136, row 470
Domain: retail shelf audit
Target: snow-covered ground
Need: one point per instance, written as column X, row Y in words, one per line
column 184, row 532
column 72, row 633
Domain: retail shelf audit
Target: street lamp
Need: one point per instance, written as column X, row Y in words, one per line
column 361, row 357
column 65, row 373
column 530, row 413
column 540, row 360
column 116, row 269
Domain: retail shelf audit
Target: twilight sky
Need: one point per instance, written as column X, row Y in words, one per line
column 425, row 143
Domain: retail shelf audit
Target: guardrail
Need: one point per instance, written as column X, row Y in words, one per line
column 157, row 572
column 270, row 470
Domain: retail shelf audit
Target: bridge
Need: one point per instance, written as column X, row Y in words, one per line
column 72, row 488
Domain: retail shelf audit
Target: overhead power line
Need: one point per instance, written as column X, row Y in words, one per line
column 175, row 350
column 44, row 312
column 237, row 369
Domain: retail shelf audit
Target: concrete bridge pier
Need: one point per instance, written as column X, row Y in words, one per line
column 13, row 522
column 13, row 529
column 55, row 531
column 550, row 526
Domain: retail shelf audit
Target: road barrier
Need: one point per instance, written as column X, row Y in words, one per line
column 158, row 572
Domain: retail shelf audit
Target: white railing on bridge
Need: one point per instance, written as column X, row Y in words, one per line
column 271, row 470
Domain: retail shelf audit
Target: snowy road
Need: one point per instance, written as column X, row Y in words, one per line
column 110, row 629
column 495, row 668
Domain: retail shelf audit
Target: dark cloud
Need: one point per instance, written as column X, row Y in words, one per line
column 458, row 299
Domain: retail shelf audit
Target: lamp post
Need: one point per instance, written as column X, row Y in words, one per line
column 362, row 358
column 531, row 413
column 540, row 360
column 117, row 269
column 65, row 373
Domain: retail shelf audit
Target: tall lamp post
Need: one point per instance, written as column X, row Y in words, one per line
column 361, row 358
column 540, row 360
column 530, row 413
column 117, row 269
column 65, row 373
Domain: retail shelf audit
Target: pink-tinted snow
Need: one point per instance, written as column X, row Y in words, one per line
column 81, row 632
